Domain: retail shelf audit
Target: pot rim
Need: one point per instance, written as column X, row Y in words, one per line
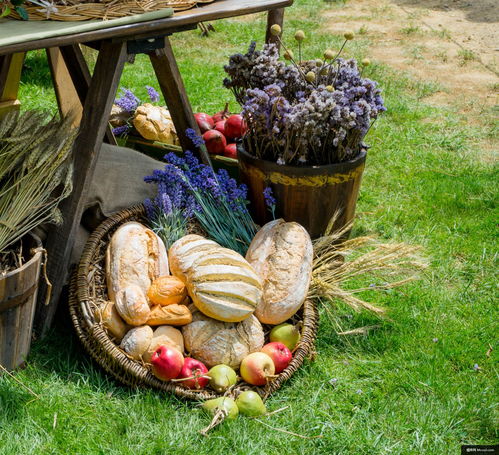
column 36, row 257
column 287, row 168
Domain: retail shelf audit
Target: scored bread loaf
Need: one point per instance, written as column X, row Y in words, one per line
column 135, row 255
column 184, row 251
column 173, row 314
column 214, row 342
column 281, row 254
column 223, row 285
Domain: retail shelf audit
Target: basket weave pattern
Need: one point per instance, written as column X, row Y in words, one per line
column 88, row 288
column 71, row 10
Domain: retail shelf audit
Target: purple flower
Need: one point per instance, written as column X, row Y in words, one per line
column 153, row 94
column 269, row 198
column 476, row 367
column 119, row 130
column 196, row 140
column 127, row 100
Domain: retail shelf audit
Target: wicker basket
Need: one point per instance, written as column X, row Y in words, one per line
column 88, row 286
column 76, row 10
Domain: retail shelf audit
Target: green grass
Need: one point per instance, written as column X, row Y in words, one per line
column 397, row 391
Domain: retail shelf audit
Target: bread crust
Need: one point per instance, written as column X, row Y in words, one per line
column 281, row 254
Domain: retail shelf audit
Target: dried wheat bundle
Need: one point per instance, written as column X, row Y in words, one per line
column 35, row 172
column 336, row 262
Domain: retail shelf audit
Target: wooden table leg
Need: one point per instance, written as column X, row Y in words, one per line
column 171, row 84
column 10, row 76
column 96, row 110
column 67, row 97
column 71, row 77
column 275, row 16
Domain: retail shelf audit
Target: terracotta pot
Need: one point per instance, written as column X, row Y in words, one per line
column 309, row 195
column 18, row 290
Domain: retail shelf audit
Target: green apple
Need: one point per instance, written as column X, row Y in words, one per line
column 222, row 377
column 227, row 403
column 286, row 334
column 250, row 404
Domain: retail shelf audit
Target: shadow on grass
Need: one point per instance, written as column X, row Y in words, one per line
column 36, row 70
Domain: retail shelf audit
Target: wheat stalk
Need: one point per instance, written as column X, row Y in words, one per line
column 338, row 261
column 35, row 172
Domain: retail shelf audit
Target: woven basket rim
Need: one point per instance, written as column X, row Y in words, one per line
column 131, row 372
column 107, row 9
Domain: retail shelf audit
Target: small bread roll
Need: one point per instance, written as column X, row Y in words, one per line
column 137, row 341
column 169, row 315
column 164, row 335
column 167, row 290
column 109, row 317
column 132, row 305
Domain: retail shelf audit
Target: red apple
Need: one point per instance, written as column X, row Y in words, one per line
column 235, row 127
column 222, row 115
column 167, row 362
column 220, row 126
column 280, row 355
column 257, row 368
column 231, row 151
column 215, row 142
column 204, row 121
column 196, row 371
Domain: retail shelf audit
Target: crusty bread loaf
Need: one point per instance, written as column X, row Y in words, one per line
column 169, row 315
column 132, row 305
column 184, row 251
column 167, row 290
column 164, row 335
column 110, row 318
column 135, row 255
column 281, row 253
column 214, row 342
column 137, row 341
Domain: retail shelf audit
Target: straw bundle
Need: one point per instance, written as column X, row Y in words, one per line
column 336, row 262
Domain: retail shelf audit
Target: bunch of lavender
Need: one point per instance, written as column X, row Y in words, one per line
column 308, row 112
column 189, row 190
column 127, row 103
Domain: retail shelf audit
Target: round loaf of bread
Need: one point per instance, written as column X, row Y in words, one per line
column 137, row 341
column 214, row 342
column 223, row 285
column 281, row 254
column 164, row 335
column 110, row 318
column 167, row 290
column 184, row 251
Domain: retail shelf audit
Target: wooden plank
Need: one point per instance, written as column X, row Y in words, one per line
column 96, row 110
column 75, row 80
column 172, row 87
column 10, row 77
column 209, row 12
column 68, row 100
column 275, row 16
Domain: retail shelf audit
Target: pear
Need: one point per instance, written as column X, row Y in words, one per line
column 287, row 334
column 222, row 377
column 250, row 404
column 212, row 406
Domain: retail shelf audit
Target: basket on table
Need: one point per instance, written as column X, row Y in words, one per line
column 88, row 288
column 81, row 10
